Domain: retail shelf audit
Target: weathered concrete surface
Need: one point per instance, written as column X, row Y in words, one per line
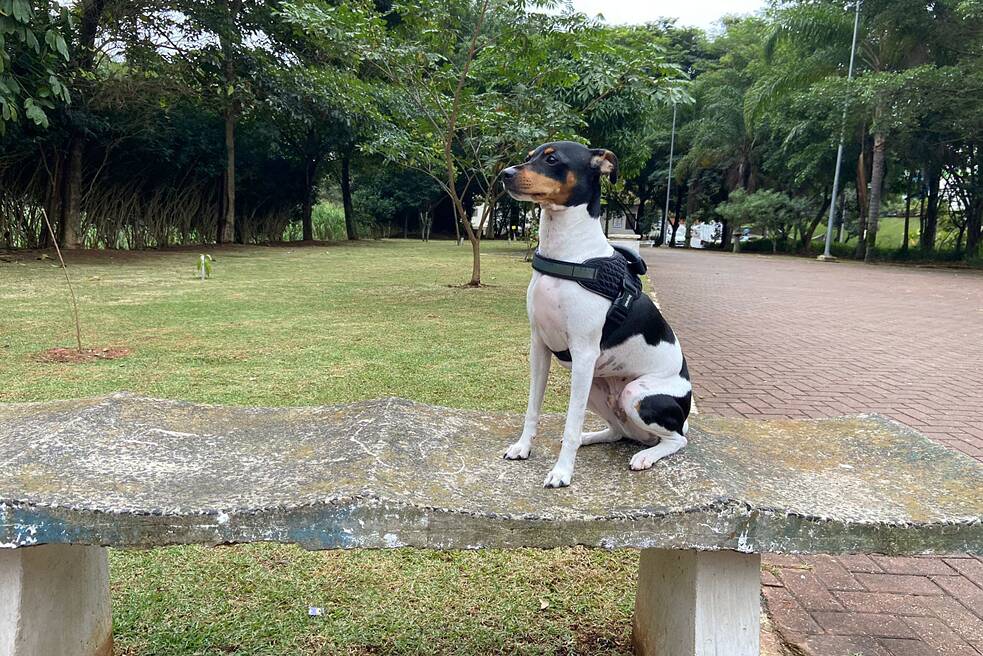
column 131, row 471
column 54, row 601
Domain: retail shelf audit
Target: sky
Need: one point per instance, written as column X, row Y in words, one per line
column 698, row 13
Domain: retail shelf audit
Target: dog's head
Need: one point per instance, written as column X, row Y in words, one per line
column 562, row 173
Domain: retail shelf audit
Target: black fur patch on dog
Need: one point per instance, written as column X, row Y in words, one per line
column 643, row 319
column 563, row 356
column 667, row 411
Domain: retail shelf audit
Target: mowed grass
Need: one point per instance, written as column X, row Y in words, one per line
column 316, row 325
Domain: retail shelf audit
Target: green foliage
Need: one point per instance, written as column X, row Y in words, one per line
column 33, row 55
column 328, row 220
column 771, row 212
column 204, row 266
column 425, row 100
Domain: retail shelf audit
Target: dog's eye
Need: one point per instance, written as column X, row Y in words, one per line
column 551, row 159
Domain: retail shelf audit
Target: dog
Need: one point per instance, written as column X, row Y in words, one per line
column 632, row 372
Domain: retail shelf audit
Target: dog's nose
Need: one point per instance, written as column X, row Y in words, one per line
column 509, row 173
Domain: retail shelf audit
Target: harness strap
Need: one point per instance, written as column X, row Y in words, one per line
column 561, row 269
column 620, row 306
column 595, row 275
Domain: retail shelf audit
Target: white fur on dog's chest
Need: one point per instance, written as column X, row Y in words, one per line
column 559, row 307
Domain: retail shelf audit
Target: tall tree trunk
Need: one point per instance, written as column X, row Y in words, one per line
column 926, row 240
column 83, row 61
column 71, row 225
column 907, row 213
column 53, row 204
column 691, row 193
column 227, row 226
column 862, row 204
column 640, row 213
column 346, row 194
column 805, row 243
column 307, row 218
column 228, row 39
column 876, row 186
column 974, row 206
column 973, row 226
column 679, row 215
column 475, row 262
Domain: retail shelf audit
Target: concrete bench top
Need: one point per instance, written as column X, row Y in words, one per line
column 128, row 471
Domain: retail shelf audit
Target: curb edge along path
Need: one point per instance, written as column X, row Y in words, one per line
column 774, row 336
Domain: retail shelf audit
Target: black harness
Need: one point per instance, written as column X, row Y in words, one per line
column 616, row 278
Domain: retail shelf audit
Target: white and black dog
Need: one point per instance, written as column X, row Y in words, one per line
column 629, row 369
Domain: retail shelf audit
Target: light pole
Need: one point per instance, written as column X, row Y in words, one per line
column 672, row 145
column 827, row 255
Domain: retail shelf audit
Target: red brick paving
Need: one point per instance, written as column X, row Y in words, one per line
column 785, row 337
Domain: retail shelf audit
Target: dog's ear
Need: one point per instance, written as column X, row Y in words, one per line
column 606, row 161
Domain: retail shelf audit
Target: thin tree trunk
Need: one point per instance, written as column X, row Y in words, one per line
column 227, row 225
column 805, row 244
column 83, row 61
column 475, row 263
column 973, row 226
column 227, row 231
column 876, row 186
column 921, row 218
column 310, row 179
column 907, row 213
column 974, row 206
column 640, row 213
column 71, row 224
column 449, row 137
column 861, row 204
column 346, row 195
column 691, row 190
column 926, row 240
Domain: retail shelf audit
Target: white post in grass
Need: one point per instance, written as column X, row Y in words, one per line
column 697, row 603
column 54, row 601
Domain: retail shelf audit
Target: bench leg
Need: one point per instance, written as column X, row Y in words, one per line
column 54, row 600
column 697, row 603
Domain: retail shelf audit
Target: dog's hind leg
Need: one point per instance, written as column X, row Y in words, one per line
column 539, row 371
column 657, row 409
column 599, row 437
column 604, row 393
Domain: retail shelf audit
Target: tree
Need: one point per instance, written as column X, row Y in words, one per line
column 33, row 55
column 460, row 111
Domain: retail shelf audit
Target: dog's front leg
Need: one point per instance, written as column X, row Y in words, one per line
column 539, row 371
column 581, row 379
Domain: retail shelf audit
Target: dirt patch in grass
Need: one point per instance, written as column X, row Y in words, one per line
column 75, row 356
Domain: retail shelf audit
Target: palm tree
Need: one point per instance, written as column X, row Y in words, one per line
column 722, row 136
column 814, row 36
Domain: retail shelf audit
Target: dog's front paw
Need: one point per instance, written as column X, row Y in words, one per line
column 558, row 478
column 640, row 461
column 517, row 451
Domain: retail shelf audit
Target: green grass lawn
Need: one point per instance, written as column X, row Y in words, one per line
column 890, row 233
column 316, row 325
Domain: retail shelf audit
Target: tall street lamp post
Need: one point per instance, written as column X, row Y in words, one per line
column 827, row 255
column 672, row 145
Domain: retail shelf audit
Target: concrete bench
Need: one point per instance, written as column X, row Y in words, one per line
column 124, row 471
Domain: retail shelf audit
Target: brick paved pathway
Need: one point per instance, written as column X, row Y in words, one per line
column 786, row 337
